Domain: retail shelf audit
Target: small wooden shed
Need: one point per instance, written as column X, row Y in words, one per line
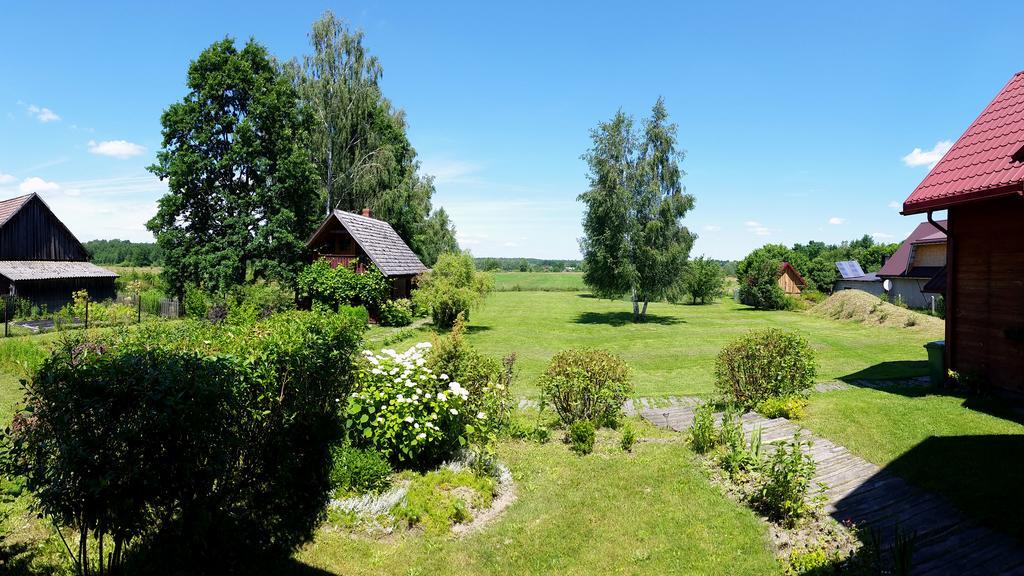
column 41, row 260
column 359, row 240
column 790, row 280
column 980, row 183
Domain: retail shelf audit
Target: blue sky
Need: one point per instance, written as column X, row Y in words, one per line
column 800, row 119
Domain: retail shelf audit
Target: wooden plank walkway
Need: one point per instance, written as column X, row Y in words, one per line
column 948, row 542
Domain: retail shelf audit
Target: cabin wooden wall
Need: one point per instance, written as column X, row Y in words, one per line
column 34, row 233
column 788, row 282
column 985, row 312
column 56, row 292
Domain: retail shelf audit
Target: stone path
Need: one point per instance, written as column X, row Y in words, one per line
column 947, row 541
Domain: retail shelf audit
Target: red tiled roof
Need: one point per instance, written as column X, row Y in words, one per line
column 11, row 206
column 979, row 165
column 898, row 263
column 787, row 266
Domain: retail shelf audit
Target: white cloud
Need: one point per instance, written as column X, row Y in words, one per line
column 42, row 114
column 37, row 184
column 895, row 205
column 881, row 235
column 835, row 220
column 757, row 228
column 447, row 171
column 6, row 178
column 116, row 148
column 712, row 227
column 930, row 158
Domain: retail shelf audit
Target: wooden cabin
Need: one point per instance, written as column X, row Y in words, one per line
column 919, row 259
column 41, row 260
column 360, row 240
column 790, row 280
column 980, row 183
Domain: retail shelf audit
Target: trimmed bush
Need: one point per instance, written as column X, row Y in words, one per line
column 628, row 439
column 396, row 313
column 210, row 443
column 585, row 384
column 764, row 364
column 359, row 471
column 581, row 437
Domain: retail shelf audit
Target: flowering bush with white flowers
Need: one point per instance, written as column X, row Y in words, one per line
column 408, row 412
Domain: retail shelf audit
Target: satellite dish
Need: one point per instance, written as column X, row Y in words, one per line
column 887, row 284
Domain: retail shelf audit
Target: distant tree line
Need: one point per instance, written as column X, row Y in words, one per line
column 125, row 252
column 525, row 265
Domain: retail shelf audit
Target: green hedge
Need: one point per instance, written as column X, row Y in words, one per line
column 209, row 444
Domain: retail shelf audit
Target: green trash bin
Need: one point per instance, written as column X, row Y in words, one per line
column 936, row 361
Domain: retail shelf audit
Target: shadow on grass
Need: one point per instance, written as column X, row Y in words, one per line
column 977, row 477
column 623, row 318
column 889, row 371
column 890, row 377
column 19, row 559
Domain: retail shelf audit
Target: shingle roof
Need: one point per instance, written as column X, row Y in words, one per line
column 980, row 164
column 386, row 249
column 11, row 206
column 897, row 264
column 17, row 270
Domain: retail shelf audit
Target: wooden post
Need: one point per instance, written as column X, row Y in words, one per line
column 86, row 312
column 138, row 304
column 7, row 303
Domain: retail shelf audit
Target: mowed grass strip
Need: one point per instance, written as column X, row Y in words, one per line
column 674, row 352
column 649, row 512
column 550, row 281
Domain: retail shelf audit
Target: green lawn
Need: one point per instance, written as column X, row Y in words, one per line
column 650, row 512
column 674, row 352
column 552, row 281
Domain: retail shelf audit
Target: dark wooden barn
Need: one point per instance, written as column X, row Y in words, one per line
column 41, row 260
column 347, row 239
column 980, row 182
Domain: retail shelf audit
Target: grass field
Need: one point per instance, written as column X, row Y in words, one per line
column 674, row 352
column 529, row 281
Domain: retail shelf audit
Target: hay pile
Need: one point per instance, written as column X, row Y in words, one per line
column 857, row 306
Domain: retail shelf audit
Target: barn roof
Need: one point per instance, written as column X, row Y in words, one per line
column 10, row 207
column 787, row 266
column 898, row 263
column 18, row 270
column 987, row 160
column 385, row 248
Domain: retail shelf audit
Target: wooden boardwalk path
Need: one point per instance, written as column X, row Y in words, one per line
column 948, row 542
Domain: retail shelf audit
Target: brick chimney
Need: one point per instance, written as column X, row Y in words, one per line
column 367, row 212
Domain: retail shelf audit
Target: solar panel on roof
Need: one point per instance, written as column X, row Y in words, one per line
column 849, row 269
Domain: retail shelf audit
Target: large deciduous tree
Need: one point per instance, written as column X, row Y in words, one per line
column 634, row 241
column 242, row 189
column 359, row 140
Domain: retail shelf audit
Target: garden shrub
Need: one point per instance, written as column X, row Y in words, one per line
column 581, row 437
column 359, row 471
column 583, row 384
column 195, row 303
column 759, row 283
column 764, row 364
column 411, row 414
column 783, row 494
column 396, row 313
column 489, row 382
column 628, row 438
column 211, row 444
column 791, row 407
column 452, row 288
column 251, row 302
column 703, row 437
column 326, row 287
